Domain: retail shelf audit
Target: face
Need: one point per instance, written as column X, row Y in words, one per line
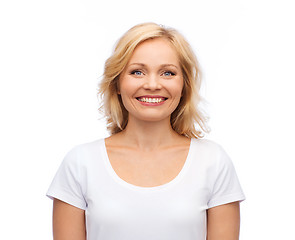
column 151, row 84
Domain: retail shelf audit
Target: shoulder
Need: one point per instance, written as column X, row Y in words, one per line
column 209, row 151
column 83, row 151
column 207, row 145
column 89, row 146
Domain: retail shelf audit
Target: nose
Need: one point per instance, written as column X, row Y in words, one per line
column 152, row 83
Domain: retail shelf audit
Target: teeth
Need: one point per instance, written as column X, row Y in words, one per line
column 151, row 100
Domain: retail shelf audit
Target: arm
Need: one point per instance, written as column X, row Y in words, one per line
column 68, row 222
column 223, row 222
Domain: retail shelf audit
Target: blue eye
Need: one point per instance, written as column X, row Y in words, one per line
column 168, row 74
column 136, row 72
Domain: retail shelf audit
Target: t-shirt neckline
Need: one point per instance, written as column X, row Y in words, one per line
column 174, row 181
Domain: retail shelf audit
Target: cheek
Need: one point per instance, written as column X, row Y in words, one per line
column 127, row 85
column 176, row 88
column 128, row 89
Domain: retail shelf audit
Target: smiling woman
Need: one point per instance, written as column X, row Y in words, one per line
column 151, row 84
column 187, row 113
column 154, row 177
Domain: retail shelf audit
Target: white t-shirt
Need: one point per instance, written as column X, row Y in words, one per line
column 117, row 210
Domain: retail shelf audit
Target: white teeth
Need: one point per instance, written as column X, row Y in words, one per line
column 151, row 100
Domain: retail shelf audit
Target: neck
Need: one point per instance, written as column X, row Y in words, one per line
column 148, row 135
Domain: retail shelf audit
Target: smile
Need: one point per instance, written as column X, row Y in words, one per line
column 151, row 100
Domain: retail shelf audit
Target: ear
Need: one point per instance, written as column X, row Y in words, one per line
column 182, row 91
column 118, row 87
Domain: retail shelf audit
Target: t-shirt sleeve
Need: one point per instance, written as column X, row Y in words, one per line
column 226, row 186
column 66, row 184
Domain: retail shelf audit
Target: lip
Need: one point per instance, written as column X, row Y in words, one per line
column 151, row 96
column 151, row 104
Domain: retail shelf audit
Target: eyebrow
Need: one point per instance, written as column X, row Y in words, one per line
column 162, row 65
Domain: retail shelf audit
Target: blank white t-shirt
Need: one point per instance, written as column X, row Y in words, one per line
column 118, row 210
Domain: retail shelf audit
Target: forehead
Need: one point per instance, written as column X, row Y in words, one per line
column 155, row 51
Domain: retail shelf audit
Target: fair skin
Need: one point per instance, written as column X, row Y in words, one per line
column 153, row 69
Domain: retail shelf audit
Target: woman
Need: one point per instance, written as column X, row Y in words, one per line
column 154, row 177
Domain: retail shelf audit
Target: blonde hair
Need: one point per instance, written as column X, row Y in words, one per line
column 186, row 114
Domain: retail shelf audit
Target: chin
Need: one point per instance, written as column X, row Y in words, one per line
column 153, row 118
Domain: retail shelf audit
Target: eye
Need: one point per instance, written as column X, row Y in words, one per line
column 168, row 73
column 136, row 72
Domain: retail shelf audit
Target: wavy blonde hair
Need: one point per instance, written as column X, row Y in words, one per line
column 186, row 114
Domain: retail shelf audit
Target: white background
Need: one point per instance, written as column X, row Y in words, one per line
column 51, row 58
